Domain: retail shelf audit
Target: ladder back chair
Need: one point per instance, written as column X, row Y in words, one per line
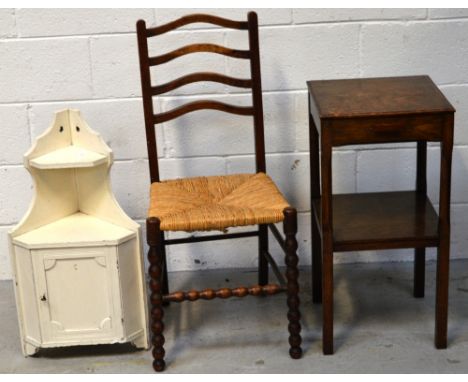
column 214, row 202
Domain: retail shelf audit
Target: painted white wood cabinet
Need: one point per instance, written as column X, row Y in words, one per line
column 76, row 256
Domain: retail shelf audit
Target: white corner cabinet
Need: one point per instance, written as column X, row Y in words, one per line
column 76, row 256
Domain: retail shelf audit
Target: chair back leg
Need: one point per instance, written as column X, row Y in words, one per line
column 262, row 250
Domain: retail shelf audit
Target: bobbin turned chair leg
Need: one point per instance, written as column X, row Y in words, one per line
column 165, row 279
column 155, row 258
column 292, row 273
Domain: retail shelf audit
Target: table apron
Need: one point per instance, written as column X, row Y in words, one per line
column 384, row 129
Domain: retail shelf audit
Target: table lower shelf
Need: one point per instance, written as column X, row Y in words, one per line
column 381, row 220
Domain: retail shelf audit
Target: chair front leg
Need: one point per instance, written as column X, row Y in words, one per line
column 292, row 274
column 155, row 258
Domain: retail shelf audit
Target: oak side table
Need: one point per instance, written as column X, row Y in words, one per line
column 370, row 111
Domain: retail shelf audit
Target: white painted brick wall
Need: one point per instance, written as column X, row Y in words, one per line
column 268, row 16
column 305, row 16
column 5, row 265
column 68, row 22
column 44, row 69
column 457, row 95
column 15, row 193
column 52, row 59
column 14, row 133
column 447, row 13
column 7, row 23
column 291, row 56
column 114, row 60
column 435, row 48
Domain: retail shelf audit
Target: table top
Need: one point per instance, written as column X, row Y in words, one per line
column 384, row 96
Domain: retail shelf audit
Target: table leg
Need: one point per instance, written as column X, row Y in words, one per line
column 419, row 272
column 443, row 251
column 327, row 243
column 420, row 253
column 316, row 263
column 315, row 194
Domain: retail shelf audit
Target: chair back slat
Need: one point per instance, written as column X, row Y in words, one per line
column 200, row 105
column 198, row 48
column 198, row 77
column 196, row 18
column 254, row 83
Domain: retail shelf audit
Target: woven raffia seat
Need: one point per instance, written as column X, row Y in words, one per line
column 216, row 202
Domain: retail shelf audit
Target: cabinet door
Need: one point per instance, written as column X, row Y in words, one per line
column 78, row 294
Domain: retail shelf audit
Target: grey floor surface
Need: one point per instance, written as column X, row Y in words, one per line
column 379, row 328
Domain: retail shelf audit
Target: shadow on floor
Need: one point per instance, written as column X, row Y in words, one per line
column 86, row 350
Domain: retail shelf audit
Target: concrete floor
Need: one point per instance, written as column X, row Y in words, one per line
column 379, row 328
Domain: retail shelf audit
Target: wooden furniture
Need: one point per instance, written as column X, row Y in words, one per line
column 379, row 110
column 76, row 256
column 214, row 203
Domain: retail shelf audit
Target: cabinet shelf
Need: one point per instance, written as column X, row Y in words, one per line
column 75, row 230
column 68, row 157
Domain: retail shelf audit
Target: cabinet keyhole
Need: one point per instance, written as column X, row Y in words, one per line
column 44, row 298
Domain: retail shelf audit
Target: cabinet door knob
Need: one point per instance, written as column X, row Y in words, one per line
column 44, row 298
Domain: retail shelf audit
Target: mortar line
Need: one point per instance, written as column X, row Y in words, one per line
column 275, row 154
column 279, row 153
column 90, row 61
column 187, row 96
column 264, row 26
column 28, row 121
column 15, row 23
column 360, row 51
column 133, row 98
